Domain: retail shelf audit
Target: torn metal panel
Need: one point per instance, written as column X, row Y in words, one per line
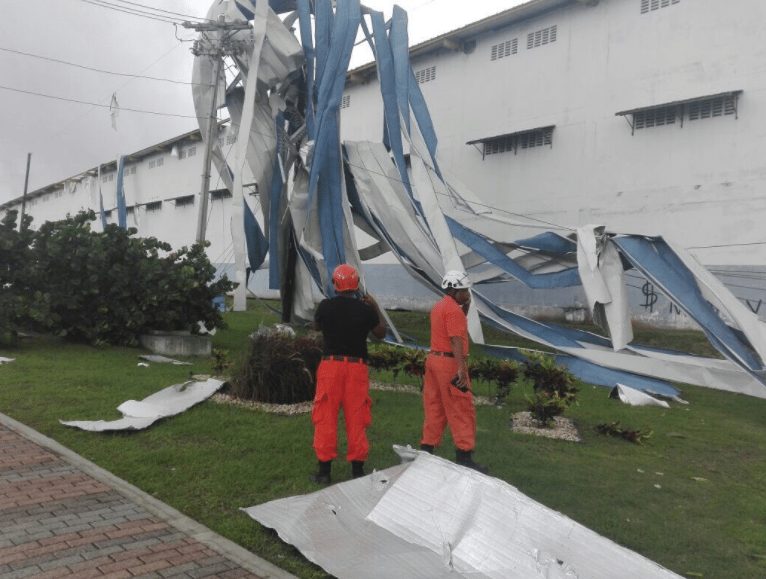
column 138, row 415
column 157, row 359
column 6, row 360
column 633, row 397
column 432, row 518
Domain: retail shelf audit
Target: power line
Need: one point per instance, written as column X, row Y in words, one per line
column 133, row 12
column 161, row 10
column 58, row 98
column 93, row 69
column 727, row 245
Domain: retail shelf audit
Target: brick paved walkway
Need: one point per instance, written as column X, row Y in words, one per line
column 57, row 520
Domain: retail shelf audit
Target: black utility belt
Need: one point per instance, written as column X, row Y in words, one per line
column 352, row 359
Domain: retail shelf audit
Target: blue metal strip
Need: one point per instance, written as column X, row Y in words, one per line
column 549, row 242
column 662, row 266
column 402, row 71
column 566, row 278
column 304, row 20
column 276, row 205
column 122, row 213
column 257, row 246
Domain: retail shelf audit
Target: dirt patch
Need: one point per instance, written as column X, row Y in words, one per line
column 562, row 428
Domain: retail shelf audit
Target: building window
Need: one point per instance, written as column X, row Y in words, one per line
column 512, row 142
column 541, row 37
column 130, row 210
column 231, row 138
column 108, row 214
column 130, row 170
column 677, row 112
column 191, row 151
column 107, row 177
column 504, row 49
column 186, row 200
column 156, row 162
column 426, row 74
column 345, row 102
column 153, row 206
column 652, row 5
column 217, row 194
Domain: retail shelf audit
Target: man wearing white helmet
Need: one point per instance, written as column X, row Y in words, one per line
column 447, row 396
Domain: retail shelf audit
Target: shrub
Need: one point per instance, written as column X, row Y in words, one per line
column 554, row 388
column 381, row 357
column 278, row 368
column 110, row 287
column 500, row 372
column 15, row 295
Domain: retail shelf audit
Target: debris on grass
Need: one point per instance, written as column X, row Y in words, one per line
column 562, row 428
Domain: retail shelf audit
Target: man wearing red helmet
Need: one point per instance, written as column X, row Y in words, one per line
column 342, row 376
column 447, row 396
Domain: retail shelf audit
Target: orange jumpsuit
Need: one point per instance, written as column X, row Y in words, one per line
column 443, row 403
column 342, row 377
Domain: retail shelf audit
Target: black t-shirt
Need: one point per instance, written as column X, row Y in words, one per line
column 345, row 323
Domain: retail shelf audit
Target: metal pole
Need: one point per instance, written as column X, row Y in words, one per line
column 24, row 196
column 211, row 136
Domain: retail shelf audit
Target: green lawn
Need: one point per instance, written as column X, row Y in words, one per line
column 214, row 459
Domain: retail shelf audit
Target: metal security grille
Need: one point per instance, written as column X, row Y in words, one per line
column 541, row 37
column 521, row 140
column 652, row 5
column 504, row 49
column 153, row 206
column 345, row 102
column 655, row 117
column 714, row 107
column 426, row 74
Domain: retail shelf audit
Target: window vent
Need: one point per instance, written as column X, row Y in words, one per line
column 655, row 117
column 231, row 138
column 130, row 170
column 130, row 210
column 504, row 49
column 156, row 162
column 217, row 194
column 182, row 201
column 652, row 5
column 541, row 37
column 714, row 107
column 512, row 142
column 426, row 74
column 345, row 102
column 154, row 206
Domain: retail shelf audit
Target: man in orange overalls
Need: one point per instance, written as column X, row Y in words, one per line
column 342, row 376
column 447, row 396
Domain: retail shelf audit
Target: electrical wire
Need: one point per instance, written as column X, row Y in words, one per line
column 100, row 70
column 727, row 245
column 133, row 12
column 165, row 11
column 58, row 98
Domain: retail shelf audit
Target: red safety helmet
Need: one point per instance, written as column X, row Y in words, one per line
column 345, row 278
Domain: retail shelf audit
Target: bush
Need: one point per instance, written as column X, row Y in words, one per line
column 15, row 297
column 278, row 368
column 554, row 388
column 500, row 372
column 110, row 287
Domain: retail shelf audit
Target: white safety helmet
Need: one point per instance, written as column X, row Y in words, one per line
column 454, row 279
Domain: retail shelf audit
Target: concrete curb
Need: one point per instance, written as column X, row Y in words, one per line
column 239, row 555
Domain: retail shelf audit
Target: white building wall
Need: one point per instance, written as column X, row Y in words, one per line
column 699, row 184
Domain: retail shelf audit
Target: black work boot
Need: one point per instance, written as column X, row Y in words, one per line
column 357, row 468
column 464, row 458
column 429, row 448
column 322, row 475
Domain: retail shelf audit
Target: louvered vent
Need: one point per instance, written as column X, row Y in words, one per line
column 652, row 5
column 504, row 49
column 426, row 74
column 541, row 37
column 655, row 117
column 345, row 102
column 521, row 140
column 714, row 107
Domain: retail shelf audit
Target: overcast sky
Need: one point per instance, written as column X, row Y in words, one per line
column 66, row 138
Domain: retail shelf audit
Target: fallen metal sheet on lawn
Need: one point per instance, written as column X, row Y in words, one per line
column 157, row 359
column 432, row 518
column 6, row 360
column 633, row 397
column 167, row 402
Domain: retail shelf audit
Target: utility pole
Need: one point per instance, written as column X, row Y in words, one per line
column 216, row 46
column 24, row 196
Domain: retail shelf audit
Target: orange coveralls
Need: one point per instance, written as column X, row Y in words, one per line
column 342, row 384
column 443, row 403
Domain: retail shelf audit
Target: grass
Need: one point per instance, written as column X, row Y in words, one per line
column 213, row 459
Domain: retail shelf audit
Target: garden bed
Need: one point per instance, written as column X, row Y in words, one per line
column 561, row 429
